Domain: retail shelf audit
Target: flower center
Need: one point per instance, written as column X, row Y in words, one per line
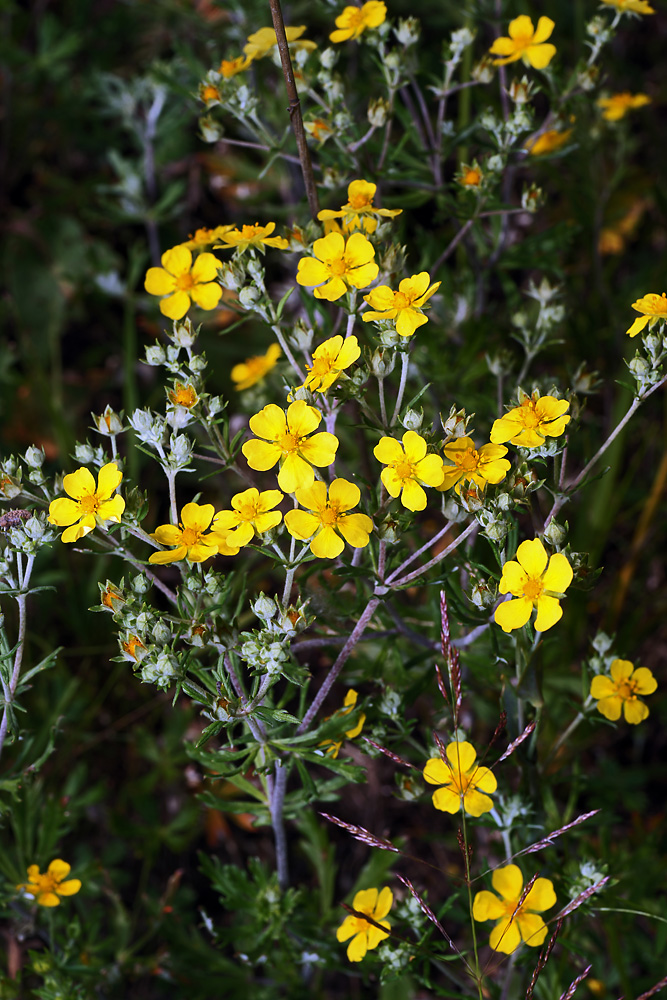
column 533, row 588
column 190, row 536
column 320, row 366
column 355, row 18
column 467, row 460
column 184, row 395
column 90, row 504
column 523, row 41
column 529, row 416
column 337, row 268
column 359, row 201
column 329, row 515
column 289, row 442
column 404, row 469
column 248, row 512
column 45, row 883
column 627, row 690
column 462, row 782
column 401, row 301
column 249, row 232
column 184, row 282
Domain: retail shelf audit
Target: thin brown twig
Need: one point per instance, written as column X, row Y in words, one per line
column 294, row 108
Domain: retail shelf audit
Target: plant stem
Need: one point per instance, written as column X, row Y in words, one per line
column 276, row 803
column 10, row 690
column 473, row 526
column 419, row 552
column 294, row 108
column 405, row 361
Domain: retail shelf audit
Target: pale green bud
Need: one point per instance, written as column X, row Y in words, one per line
column 34, row 457
column 382, row 363
column 413, row 419
column 155, row 355
column 555, row 533
column 378, row 110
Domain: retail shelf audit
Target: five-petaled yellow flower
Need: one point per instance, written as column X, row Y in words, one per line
column 359, row 211
column 463, row 782
column 617, row 106
column 252, row 514
column 529, row 424
column 330, row 359
column 253, row 370
column 354, row 20
column 621, row 690
column 404, row 306
column 631, row 6
column 515, row 923
column 408, row 465
column 205, row 237
column 258, row 237
column 47, row 889
column 364, row 935
column 477, row 465
column 325, row 520
column 189, row 536
column 654, row 309
column 332, row 747
column 184, row 282
column 90, row 504
column 547, row 142
column 470, row 177
column 337, row 264
column 526, row 43
column 286, row 439
column 261, row 42
column 533, row 584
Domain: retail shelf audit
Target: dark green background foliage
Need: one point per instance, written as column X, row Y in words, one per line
column 179, row 896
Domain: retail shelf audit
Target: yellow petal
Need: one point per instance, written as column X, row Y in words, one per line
column 79, row 484
column 344, row 494
column 302, row 419
column 177, row 261
column 413, row 496
column 446, row 800
column 347, row 928
column 380, row 298
column 301, row 524
column 541, row 897
column 558, row 576
column 64, row 512
column 436, row 772
column 311, row 272
column 532, row 555
column 475, row 803
column 327, row 544
column 521, row 27
column 159, row 282
column 611, row 707
column 508, row 882
column 313, row 497
column 602, row 687
column 355, row 529
column 69, row 888
column 108, row 479
column 638, row 325
column 461, row 755
column 513, row 614
column 48, row 899
column 645, row 681
column 549, row 612
column 621, row 670
column 269, row 423
column 388, row 450
column 532, row 928
column 357, row 947
column 206, row 296
column 295, row 473
column 414, row 445
column 197, row 516
column 384, row 903
column 320, row 449
column 635, row 712
column 59, row 869
column 332, row 291
column 539, row 56
column 168, row 534
column 77, row 531
column 545, row 26
column 486, row 906
column 375, row 935
column 505, row 937
column 261, row 455
column 176, row 306
column 205, row 268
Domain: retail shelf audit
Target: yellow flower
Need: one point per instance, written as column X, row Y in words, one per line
column 470, row 176
column 208, row 93
column 404, row 306
column 325, row 520
column 408, row 465
column 230, row 67
column 183, row 395
column 548, row 142
column 526, row 43
column 354, row 20
column 286, row 440
column 529, row 424
column 654, row 308
column 261, row 42
column 258, row 237
column 480, row 466
column 621, row 689
column 350, row 703
column 252, row 514
column 359, row 212
column 463, row 782
column 253, row 370
column 184, row 282
column 329, row 361
column 46, row 889
column 515, row 924
column 376, row 906
column 90, row 504
column 188, row 536
column 319, row 129
column 337, row 264
column 630, row 6
column 205, row 237
column 131, row 645
column 534, row 584
column 617, row 106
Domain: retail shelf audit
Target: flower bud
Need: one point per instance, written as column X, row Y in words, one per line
column 601, row 643
column 555, row 533
column 389, row 532
column 389, row 337
column 456, row 424
column 84, row 453
column 382, row 363
column 639, row 367
column 264, row 607
column 413, row 419
column 407, row 31
column 155, row 355
column 34, row 457
column 183, row 334
column 481, row 594
column 328, row 58
column 197, row 363
column 532, row 197
column 482, row 72
column 140, row 585
column 210, row 130
column 520, row 90
column 378, row 110
column 108, row 423
column 161, row 633
column 301, row 336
